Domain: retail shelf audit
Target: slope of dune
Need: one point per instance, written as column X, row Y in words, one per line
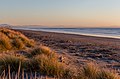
column 12, row 40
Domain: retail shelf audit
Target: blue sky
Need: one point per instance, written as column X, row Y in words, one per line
column 88, row 13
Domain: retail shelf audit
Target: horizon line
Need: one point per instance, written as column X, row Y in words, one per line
column 59, row 26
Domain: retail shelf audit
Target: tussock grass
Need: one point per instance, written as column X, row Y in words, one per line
column 89, row 71
column 50, row 66
column 92, row 71
column 106, row 74
column 12, row 40
column 4, row 42
column 41, row 50
column 18, row 44
column 43, row 63
column 12, row 61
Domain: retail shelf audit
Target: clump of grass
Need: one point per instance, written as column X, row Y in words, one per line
column 50, row 66
column 5, row 42
column 42, row 62
column 12, row 61
column 41, row 50
column 106, row 74
column 17, row 43
column 91, row 71
column 30, row 43
column 45, row 62
column 26, row 41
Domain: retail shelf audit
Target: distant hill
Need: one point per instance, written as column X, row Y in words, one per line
column 5, row 25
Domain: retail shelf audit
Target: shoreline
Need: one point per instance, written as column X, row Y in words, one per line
column 106, row 39
column 75, row 33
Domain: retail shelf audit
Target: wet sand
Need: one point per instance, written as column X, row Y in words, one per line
column 80, row 49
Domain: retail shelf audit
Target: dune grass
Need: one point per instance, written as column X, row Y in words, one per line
column 92, row 71
column 47, row 65
column 11, row 60
column 4, row 42
column 12, row 40
column 41, row 65
column 41, row 50
column 18, row 44
column 43, row 62
column 106, row 74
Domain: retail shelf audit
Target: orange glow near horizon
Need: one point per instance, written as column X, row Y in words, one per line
column 64, row 22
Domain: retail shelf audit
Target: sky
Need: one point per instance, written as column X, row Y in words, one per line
column 67, row 13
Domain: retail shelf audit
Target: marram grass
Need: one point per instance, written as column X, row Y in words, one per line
column 92, row 71
column 41, row 50
column 43, row 64
column 12, row 40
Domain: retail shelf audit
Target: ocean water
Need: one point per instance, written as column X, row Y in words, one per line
column 100, row 32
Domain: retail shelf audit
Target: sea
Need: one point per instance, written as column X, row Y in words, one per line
column 99, row 32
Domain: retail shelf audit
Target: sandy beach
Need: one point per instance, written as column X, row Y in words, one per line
column 79, row 49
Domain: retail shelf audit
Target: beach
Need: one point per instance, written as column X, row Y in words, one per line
column 80, row 49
